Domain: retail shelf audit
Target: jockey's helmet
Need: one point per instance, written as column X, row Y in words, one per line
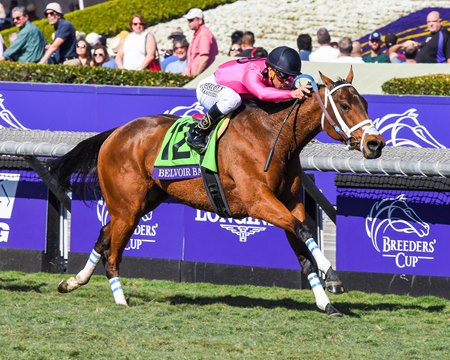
column 286, row 60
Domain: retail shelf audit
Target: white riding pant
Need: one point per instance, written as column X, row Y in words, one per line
column 209, row 93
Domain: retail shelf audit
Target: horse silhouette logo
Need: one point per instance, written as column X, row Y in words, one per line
column 394, row 213
column 8, row 120
column 406, row 130
column 195, row 108
column 243, row 231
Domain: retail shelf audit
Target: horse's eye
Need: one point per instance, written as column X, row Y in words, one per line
column 344, row 107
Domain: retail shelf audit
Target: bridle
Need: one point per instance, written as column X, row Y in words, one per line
column 342, row 128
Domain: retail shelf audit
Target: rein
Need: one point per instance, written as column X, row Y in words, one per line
column 269, row 158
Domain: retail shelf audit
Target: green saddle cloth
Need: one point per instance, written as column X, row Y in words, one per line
column 177, row 160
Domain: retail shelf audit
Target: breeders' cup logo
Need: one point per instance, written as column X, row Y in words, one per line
column 398, row 232
column 406, row 130
column 144, row 233
column 8, row 189
column 8, row 119
column 195, row 108
column 242, row 228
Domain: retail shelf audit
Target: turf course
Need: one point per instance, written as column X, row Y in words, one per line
column 169, row 320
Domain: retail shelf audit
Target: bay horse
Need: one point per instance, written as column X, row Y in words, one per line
column 123, row 159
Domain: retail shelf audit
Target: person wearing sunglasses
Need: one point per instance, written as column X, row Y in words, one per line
column 235, row 49
column 203, row 48
column 100, row 55
column 30, row 43
column 138, row 51
column 63, row 48
column 84, row 53
column 268, row 79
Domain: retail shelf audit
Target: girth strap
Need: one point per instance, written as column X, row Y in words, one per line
column 215, row 193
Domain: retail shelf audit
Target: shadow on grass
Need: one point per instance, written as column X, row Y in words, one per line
column 346, row 308
column 12, row 285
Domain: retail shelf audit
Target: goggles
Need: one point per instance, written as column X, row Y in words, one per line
column 284, row 77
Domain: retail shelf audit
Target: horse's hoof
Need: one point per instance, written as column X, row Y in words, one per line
column 332, row 311
column 63, row 287
column 334, row 287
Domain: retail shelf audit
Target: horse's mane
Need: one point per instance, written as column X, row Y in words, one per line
column 272, row 107
column 268, row 107
column 339, row 81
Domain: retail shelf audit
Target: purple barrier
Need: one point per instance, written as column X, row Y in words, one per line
column 393, row 231
column 159, row 234
column 251, row 242
column 23, row 205
column 87, row 107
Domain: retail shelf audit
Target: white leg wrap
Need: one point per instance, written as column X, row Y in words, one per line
column 322, row 261
column 319, row 293
column 84, row 275
column 117, row 290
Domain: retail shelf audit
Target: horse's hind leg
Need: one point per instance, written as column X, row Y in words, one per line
column 83, row 277
column 125, row 213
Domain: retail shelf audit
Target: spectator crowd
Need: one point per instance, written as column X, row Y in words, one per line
column 137, row 49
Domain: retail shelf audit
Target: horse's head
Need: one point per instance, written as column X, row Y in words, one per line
column 348, row 120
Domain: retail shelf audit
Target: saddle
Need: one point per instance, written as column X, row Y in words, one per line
column 177, row 161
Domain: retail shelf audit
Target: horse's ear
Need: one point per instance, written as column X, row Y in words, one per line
column 350, row 75
column 326, row 80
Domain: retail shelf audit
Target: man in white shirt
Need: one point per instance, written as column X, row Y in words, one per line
column 345, row 47
column 325, row 52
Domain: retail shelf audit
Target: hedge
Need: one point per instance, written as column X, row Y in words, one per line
column 438, row 84
column 26, row 72
column 111, row 17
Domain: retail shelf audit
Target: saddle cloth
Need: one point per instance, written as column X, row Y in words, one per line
column 177, row 160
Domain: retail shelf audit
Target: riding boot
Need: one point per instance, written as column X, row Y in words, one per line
column 197, row 135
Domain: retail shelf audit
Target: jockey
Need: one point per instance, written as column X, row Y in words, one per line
column 270, row 79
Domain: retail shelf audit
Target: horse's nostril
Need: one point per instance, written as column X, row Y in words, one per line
column 374, row 145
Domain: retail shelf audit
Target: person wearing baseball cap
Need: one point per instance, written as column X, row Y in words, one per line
column 376, row 54
column 203, row 48
column 63, row 48
column 393, row 49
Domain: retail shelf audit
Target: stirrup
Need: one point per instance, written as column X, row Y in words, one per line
column 197, row 139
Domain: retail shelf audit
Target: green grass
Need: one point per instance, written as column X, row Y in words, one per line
column 169, row 320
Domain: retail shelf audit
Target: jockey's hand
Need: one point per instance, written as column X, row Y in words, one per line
column 302, row 92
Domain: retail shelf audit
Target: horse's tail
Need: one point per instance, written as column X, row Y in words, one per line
column 81, row 162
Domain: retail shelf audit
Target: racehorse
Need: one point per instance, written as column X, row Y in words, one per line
column 123, row 159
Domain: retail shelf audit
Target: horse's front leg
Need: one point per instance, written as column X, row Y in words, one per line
column 274, row 211
column 83, row 277
column 332, row 282
column 322, row 300
column 309, row 268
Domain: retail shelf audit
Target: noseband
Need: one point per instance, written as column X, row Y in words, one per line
column 342, row 129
